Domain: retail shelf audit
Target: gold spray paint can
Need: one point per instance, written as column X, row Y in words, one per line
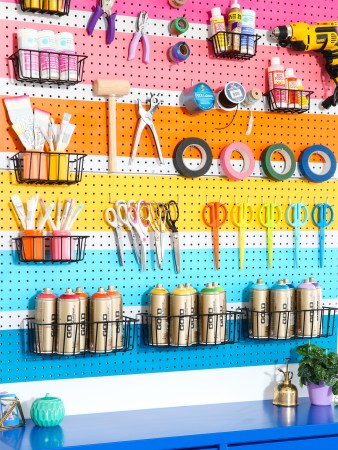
column 117, row 317
column 307, row 321
column 180, row 316
column 100, row 327
column 259, row 307
column 222, row 310
column 319, row 298
column 159, row 312
column 193, row 338
column 281, row 315
column 45, row 321
column 209, row 308
column 83, row 297
column 68, row 318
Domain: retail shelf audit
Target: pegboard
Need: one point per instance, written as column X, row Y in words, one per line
column 20, row 282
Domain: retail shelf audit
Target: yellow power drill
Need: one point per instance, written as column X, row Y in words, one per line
column 321, row 37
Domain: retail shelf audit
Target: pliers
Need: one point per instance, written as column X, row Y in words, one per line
column 142, row 22
column 146, row 118
column 103, row 7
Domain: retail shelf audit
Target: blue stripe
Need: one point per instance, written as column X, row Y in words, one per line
column 21, row 281
column 18, row 366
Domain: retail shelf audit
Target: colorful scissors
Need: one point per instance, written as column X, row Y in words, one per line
column 112, row 218
column 140, row 224
column 122, row 215
column 155, row 226
column 242, row 215
column 267, row 218
column 322, row 217
column 217, row 216
column 293, row 217
column 173, row 215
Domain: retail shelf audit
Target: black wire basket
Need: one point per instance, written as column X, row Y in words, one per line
column 289, row 100
column 40, row 66
column 60, row 249
column 283, row 325
column 245, row 45
column 75, row 338
column 191, row 330
column 53, row 7
column 33, row 167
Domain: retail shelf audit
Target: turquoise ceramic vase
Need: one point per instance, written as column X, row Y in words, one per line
column 47, row 411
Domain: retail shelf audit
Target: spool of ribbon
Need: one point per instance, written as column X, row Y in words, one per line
column 179, row 26
column 180, row 164
column 248, row 159
column 251, row 98
column 330, row 163
column 179, row 52
column 289, row 158
column 230, row 96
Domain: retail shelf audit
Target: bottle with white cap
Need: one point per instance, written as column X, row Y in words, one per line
column 235, row 27
column 276, row 77
column 217, row 25
column 248, row 28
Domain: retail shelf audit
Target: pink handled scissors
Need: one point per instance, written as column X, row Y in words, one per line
column 140, row 223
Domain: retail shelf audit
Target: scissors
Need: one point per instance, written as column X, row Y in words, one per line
column 140, row 225
column 242, row 215
column 267, row 218
column 154, row 225
column 218, row 215
column 173, row 215
column 103, row 7
column 293, row 217
column 122, row 215
column 322, row 219
column 113, row 220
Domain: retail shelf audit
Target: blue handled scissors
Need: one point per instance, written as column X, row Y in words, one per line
column 322, row 217
column 293, row 217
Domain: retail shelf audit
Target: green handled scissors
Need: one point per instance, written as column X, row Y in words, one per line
column 242, row 215
column 269, row 216
column 293, row 217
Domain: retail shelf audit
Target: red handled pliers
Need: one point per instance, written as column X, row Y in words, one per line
column 140, row 34
column 103, row 7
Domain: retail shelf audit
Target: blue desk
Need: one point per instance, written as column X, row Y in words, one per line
column 233, row 426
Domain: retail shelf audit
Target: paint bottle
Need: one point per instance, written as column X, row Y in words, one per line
column 276, row 79
column 29, row 59
column 319, row 299
column 307, row 323
column 259, row 310
column 194, row 313
column 68, row 315
column 116, row 317
column 291, row 85
column 282, row 317
column 248, row 28
column 45, row 321
column 83, row 298
column 234, row 26
column 303, row 100
column 217, row 25
column 222, row 310
column 180, row 316
column 68, row 62
column 49, row 61
column 100, row 327
column 159, row 312
column 209, row 308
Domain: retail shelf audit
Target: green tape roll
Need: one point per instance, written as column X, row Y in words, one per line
column 179, row 25
column 289, row 158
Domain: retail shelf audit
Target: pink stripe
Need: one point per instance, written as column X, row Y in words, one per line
column 268, row 14
column 105, row 62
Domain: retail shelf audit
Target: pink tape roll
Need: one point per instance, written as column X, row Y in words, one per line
column 248, row 158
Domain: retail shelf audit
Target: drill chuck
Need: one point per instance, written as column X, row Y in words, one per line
column 283, row 33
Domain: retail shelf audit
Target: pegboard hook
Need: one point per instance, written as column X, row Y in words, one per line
column 235, row 199
column 110, row 200
column 206, row 199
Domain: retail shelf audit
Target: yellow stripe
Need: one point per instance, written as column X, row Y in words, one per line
column 94, row 191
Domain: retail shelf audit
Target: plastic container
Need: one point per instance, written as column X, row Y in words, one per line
column 62, row 248
column 276, row 79
column 49, row 61
column 248, row 27
column 303, row 100
column 68, row 64
column 234, row 26
column 291, row 85
column 217, row 24
column 58, row 166
column 33, row 247
column 35, row 165
column 52, row 5
column 29, row 59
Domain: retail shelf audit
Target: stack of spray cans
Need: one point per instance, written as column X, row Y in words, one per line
column 283, row 312
column 184, row 317
column 74, row 323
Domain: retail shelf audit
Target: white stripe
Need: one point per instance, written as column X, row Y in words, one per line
column 197, row 240
column 159, row 390
column 142, row 166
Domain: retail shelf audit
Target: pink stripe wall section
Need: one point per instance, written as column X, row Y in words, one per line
column 161, row 74
column 199, row 11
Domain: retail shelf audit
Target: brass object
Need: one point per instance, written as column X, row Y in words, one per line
column 12, row 405
column 285, row 393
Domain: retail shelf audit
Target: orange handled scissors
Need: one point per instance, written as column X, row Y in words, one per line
column 214, row 215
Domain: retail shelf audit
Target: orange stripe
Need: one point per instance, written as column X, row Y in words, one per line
column 174, row 124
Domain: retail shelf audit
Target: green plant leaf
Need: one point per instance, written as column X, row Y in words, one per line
column 335, row 388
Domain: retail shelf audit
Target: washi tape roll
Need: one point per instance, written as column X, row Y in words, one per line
column 248, row 159
column 179, row 26
column 182, row 167
column 329, row 167
column 179, row 52
column 289, row 158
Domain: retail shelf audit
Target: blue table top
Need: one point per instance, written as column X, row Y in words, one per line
column 171, row 428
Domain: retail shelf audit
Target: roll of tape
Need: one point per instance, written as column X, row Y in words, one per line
column 329, row 168
column 179, row 25
column 179, row 52
column 198, row 98
column 289, row 158
column 206, row 162
column 246, row 154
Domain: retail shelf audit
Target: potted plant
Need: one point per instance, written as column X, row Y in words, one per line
column 318, row 370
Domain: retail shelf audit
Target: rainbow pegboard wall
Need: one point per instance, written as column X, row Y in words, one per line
column 146, row 179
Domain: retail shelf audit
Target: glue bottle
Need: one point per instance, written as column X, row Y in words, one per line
column 217, row 24
column 303, row 100
column 277, row 82
column 234, row 26
column 291, row 85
